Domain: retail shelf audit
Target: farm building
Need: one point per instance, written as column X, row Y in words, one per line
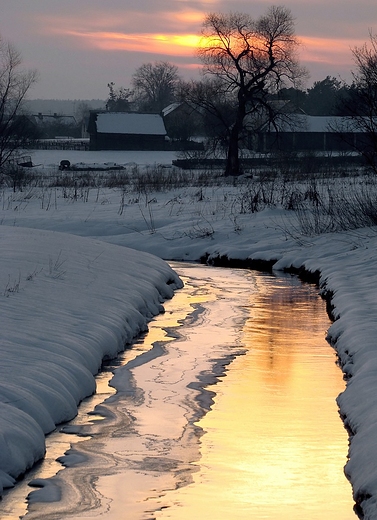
column 126, row 131
column 49, row 126
column 183, row 121
column 301, row 132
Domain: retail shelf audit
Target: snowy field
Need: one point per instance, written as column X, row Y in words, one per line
column 70, row 295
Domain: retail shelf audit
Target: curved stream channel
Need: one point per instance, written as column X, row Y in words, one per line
column 225, row 410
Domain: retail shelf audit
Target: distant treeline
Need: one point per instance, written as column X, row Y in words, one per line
column 62, row 106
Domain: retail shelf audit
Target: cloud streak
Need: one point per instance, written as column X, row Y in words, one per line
column 80, row 46
column 328, row 50
column 169, row 44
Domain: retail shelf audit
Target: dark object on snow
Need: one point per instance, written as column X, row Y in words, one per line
column 26, row 162
column 64, row 165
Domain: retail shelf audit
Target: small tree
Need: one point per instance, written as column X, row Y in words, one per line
column 119, row 99
column 155, row 85
column 14, row 85
column 253, row 59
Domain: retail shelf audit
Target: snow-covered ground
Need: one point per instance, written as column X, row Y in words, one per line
column 70, row 295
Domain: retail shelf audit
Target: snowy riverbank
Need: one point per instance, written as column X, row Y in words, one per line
column 66, row 303
column 72, row 281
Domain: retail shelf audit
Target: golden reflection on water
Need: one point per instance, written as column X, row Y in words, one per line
column 274, row 446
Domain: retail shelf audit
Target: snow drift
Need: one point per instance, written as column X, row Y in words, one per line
column 66, row 303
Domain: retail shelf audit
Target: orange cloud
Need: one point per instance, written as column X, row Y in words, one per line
column 195, row 17
column 327, row 50
column 170, row 44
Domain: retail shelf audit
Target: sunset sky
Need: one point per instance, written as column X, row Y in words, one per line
column 79, row 46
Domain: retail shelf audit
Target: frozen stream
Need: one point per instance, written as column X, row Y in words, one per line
column 250, row 347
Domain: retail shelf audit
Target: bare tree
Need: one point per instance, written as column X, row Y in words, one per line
column 253, row 59
column 155, row 85
column 14, row 85
column 216, row 107
column 362, row 102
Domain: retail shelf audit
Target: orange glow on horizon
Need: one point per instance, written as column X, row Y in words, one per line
column 171, row 44
column 330, row 51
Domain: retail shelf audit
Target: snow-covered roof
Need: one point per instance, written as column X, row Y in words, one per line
column 324, row 123
column 41, row 119
column 305, row 123
column 170, row 108
column 319, row 123
column 130, row 123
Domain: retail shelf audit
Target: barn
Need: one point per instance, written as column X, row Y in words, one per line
column 305, row 133
column 126, row 131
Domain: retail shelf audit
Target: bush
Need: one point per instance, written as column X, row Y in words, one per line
column 337, row 206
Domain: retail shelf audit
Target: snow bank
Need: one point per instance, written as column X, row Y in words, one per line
column 66, row 303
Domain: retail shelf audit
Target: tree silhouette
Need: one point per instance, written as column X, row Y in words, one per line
column 155, row 85
column 252, row 59
column 118, row 100
column 362, row 102
column 14, row 85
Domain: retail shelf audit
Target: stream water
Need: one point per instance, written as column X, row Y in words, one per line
column 226, row 409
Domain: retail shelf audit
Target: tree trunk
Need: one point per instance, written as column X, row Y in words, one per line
column 233, row 161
